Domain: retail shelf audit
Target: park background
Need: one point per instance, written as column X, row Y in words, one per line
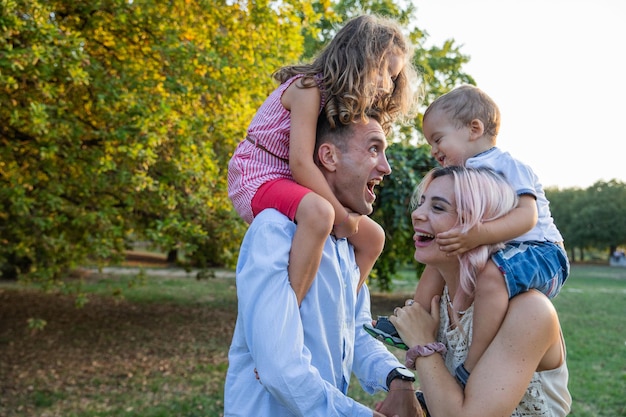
column 117, row 120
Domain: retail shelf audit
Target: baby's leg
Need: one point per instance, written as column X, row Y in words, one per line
column 368, row 244
column 491, row 301
column 314, row 218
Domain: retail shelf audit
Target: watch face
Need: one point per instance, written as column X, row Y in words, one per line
column 402, row 373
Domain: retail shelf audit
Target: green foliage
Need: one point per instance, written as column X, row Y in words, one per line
column 393, row 209
column 118, row 119
column 36, row 324
column 591, row 218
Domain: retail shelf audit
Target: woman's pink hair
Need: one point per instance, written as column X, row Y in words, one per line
column 481, row 195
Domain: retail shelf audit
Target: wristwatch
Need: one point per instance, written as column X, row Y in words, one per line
column 402, row 373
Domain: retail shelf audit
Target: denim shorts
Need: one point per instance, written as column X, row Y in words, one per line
column 532, row 264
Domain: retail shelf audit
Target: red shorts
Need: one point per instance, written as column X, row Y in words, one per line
column 281, row 194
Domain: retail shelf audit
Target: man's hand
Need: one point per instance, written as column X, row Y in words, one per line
column 400, row 401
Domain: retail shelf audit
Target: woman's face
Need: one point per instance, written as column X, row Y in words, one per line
column 436, row 212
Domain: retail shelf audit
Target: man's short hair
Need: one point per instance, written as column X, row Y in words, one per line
column 337, row 135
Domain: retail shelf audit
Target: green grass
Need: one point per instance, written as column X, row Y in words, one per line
column 592, row 308
column 146, row 288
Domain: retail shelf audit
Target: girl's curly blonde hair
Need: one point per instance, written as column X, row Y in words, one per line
column 352, row 70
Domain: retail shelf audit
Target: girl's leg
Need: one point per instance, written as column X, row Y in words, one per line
column 368, row 244
column 314, row 218
column 491, row 301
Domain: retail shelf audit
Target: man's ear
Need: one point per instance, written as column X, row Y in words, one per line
column 327, row 155
column 477, row 129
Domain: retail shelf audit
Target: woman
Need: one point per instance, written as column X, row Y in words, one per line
column 523, row 371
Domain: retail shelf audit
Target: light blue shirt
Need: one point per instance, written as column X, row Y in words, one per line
column 304, row 357
column 524, row 181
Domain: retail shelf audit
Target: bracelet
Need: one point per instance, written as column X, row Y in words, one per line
column 426, row 350
column 343, row 221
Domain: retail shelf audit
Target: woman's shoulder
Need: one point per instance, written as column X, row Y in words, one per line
column 531, row 300
column 532, row 309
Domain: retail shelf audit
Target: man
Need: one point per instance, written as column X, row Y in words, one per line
column 305, row 357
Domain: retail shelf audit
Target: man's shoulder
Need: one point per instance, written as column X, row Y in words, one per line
column 270, row 215
column 271, row 219
column 269, row 236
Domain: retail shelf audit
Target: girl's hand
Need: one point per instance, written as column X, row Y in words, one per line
column 348, row 226
column 415, row 325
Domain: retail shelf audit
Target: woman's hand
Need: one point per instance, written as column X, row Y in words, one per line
column 415, row 325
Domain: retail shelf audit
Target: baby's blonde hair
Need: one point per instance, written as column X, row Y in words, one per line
column 466, row 103
column 350, row 67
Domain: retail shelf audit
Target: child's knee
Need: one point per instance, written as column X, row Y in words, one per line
column 316, row 213
column 374, row 234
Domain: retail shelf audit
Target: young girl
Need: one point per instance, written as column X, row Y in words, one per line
column 365, row 70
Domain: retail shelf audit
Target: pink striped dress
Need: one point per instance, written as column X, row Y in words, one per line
column 264, row 154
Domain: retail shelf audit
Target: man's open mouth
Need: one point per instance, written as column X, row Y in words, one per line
column 370, row 187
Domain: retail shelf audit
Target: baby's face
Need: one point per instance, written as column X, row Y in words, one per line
column 450, row 144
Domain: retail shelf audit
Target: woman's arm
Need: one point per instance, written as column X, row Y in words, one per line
column 502, row 374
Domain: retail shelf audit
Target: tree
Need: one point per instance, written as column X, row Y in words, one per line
column 393, row 208
column 601, row 216
column 591, row 218
column 562, row 203
column 118, row 119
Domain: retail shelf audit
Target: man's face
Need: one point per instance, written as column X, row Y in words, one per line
column 361, row 167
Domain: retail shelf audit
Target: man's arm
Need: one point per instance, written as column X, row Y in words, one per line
column 373, row 362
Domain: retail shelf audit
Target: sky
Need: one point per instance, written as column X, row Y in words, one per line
column 556, row 70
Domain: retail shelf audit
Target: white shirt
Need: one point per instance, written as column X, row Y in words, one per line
column 547, row 394
column 304, row 357
column 524, row 181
